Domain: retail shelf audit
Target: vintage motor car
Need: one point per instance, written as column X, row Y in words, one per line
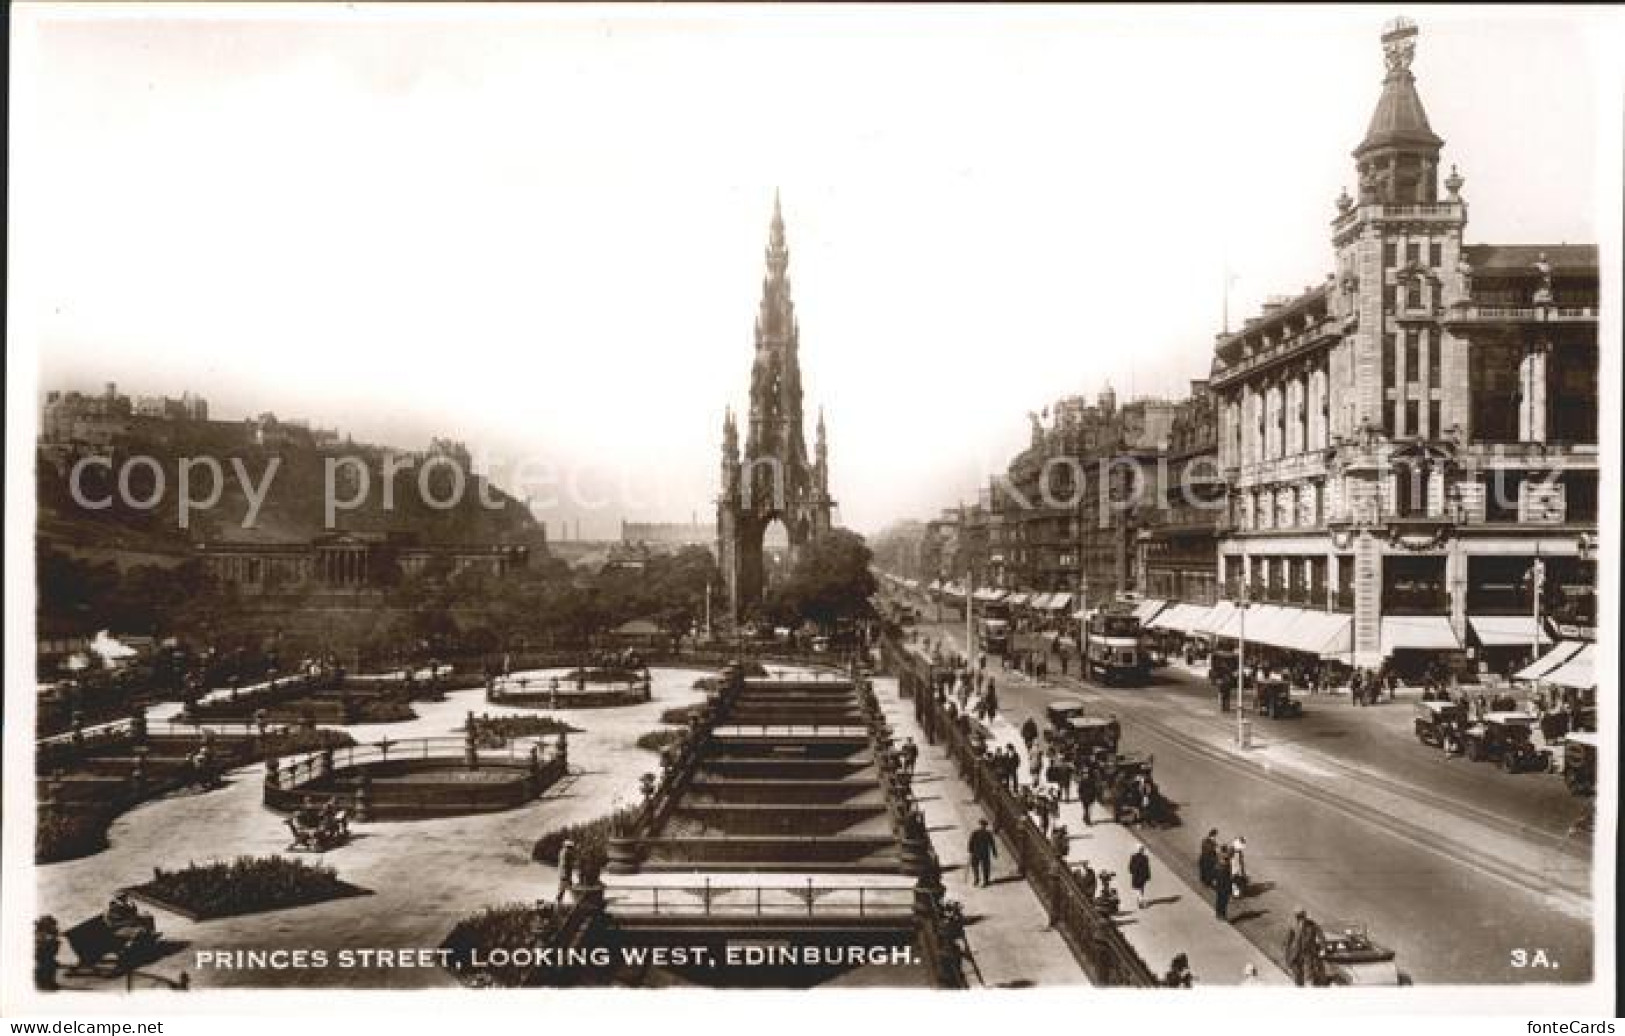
column 1073, row 730
column 1580, row 762
column 1438, row 721
column 1506, row 738
column 1349, row 957
column 1221, row 668
column 1275, row 699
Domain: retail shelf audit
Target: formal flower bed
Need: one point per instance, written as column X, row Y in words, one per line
column 513, row 927
column 383, row 710
column 591, row 838
column 246, row 885
column 680, row 716
column 68, row 836
column 496, row 731
column 299, row 740
column 659, row 740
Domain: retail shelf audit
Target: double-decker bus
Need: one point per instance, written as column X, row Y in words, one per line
column 1113, row 650
column 993, row 635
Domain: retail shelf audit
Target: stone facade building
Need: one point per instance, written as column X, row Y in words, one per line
column 351, row 562
column 1393, row 437
column 1177, row 521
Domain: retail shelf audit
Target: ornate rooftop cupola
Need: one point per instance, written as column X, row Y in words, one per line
column 1398, row 161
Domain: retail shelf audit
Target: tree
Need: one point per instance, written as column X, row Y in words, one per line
column 831, row 580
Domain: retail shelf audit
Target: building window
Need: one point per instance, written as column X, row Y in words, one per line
column 1413, row 417
column 1388, row 294
column 1413, row 364
column 1435, row 255
column 1495, row 394
column 1413, row 252
column 1413, row 586
column 1434, row 359
column 1498, row 585
column 1344, row 601
column 1413, row 293
column 1580, row 495
column 1390, row 255
column 1435, row 428
column 1390, row 359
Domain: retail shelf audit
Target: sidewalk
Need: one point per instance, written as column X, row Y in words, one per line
column 1176, row 919
column 1011, row 942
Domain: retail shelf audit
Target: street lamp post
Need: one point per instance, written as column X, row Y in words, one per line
column 1241, row 671
column 1537, row 583
column 970, row 621
column 1083, row 621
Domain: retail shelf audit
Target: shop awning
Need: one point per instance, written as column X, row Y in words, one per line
column 1179, row 617
column 936, row 584
column 989, row 595
column 1016, row 600
column 1507, row 630
column 1039, row 602
column 1057, row 601
column 1417, row 633
column 1215, row 618
column 1550, row 661
column 1264, row 624
column 1578, row 672
column 1323, row 634
column 1147, row 609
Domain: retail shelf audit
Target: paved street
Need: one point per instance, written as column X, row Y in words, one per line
column 1348, row 816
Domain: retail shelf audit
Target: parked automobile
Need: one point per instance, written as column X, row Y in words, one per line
column 1580, row 762
column 1350, row 957
column 1072, row 730
column 1506, row 738
column 1438, row 722
column 1275, row 699
column 1221, row 668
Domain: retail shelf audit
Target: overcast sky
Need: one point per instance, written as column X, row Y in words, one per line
column 541, row 231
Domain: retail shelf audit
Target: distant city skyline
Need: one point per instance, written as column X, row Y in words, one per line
column 386, row 221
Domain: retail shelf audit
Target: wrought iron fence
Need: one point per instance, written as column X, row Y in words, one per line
column 1099, row 946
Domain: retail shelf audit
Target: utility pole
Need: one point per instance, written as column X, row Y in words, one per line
column 708, row 611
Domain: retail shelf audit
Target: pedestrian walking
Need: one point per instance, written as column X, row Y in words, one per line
column 1088, row 791
column 1029, row 733
column 567, row 869
column 1303, row 949
column 1249, row 974
column 991, row 697
column 1063, row 776
column 1207, row 862
column 1139, row 873
column 1238, row 865
column 1222, row 878
column 911, row 755
column 1035, row 766
column 1179, row 973
column 982, row 850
